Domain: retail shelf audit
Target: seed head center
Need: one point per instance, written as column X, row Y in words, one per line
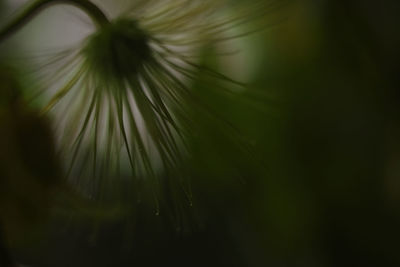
column 118, row 50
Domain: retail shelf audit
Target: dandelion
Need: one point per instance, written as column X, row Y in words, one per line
column 126, row 90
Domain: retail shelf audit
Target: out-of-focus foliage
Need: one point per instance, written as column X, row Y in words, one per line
column 29, row 172
column 330, row 196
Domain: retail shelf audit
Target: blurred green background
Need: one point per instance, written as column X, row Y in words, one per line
column 318, row 183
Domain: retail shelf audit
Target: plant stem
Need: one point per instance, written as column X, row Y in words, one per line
column 5, row 258
column 35, row 6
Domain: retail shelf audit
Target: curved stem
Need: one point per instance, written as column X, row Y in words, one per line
column 32, row 9
column 5, row 257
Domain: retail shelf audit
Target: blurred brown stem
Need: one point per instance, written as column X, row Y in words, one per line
column 5, row 257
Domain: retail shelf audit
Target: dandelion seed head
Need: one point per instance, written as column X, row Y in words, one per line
column 123, row 99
